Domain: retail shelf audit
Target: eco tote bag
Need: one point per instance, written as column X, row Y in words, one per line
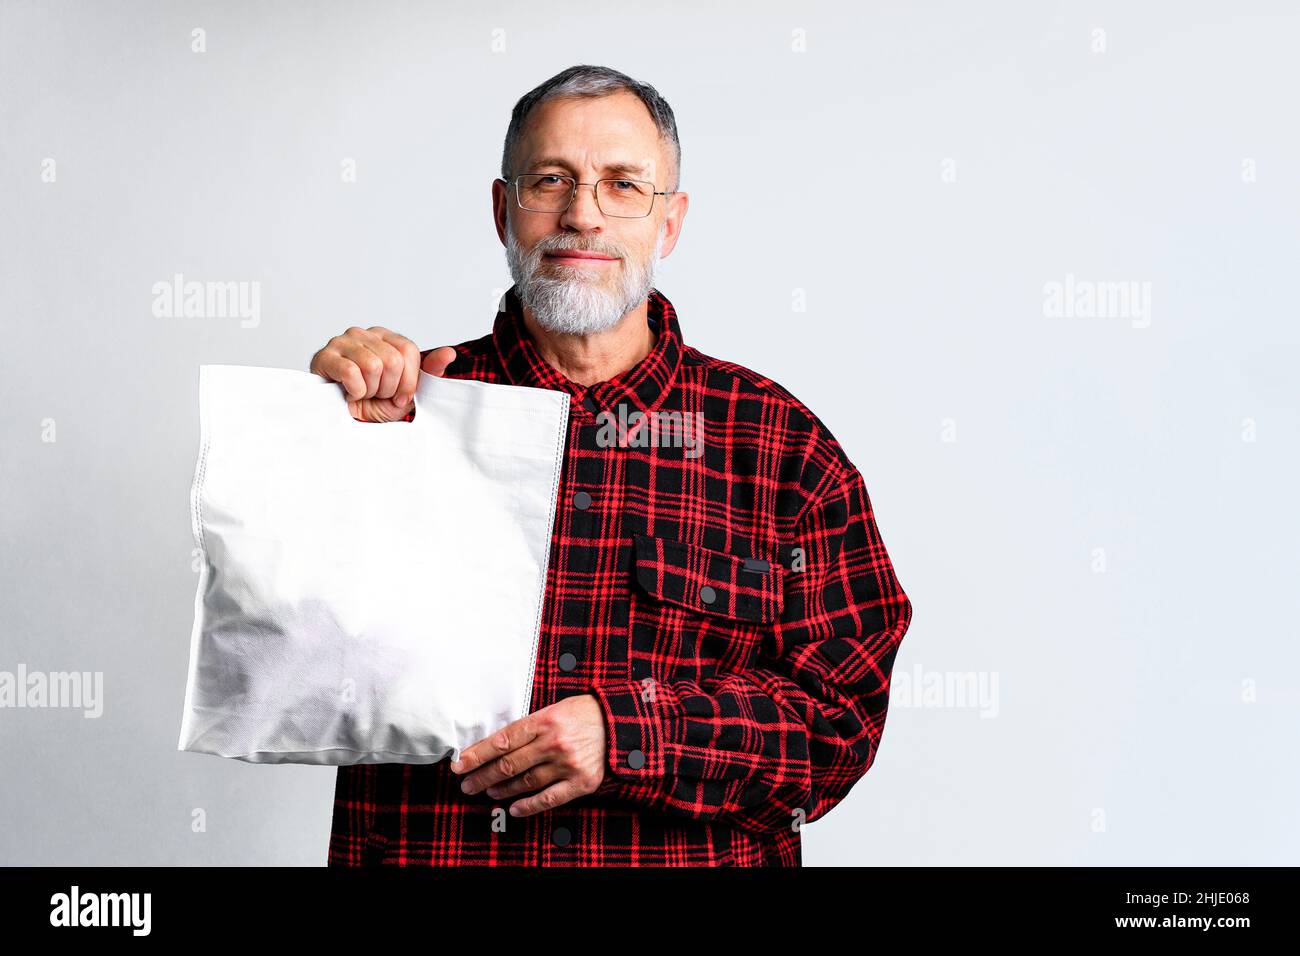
column 368, row 592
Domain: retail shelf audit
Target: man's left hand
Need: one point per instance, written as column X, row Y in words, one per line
column 560, row 747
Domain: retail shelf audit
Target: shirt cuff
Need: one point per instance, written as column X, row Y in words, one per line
column 634, row 735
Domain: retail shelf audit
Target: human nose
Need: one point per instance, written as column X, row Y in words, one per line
column 583, row 211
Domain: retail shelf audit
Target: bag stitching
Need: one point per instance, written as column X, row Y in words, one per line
column 560, row 443
column 205, row 440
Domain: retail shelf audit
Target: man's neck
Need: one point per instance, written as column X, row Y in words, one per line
column 588, row 359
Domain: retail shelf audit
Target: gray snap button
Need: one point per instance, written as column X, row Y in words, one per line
column 561, row 836
column 582, row 501
column 636, row 760
column 568, row 661
column 708, row 595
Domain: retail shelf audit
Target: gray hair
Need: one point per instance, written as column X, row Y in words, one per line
column 585, row 80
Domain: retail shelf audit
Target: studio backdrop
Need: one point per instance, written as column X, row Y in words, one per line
column 1031, row 264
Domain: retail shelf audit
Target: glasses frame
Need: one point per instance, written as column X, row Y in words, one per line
column 595, row 190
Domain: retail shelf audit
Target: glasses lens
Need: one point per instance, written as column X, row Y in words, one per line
column 625, row 197
column 545, row 193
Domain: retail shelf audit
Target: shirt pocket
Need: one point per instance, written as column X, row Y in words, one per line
column 697, row 610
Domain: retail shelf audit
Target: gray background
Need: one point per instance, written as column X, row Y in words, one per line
column 1146, row 713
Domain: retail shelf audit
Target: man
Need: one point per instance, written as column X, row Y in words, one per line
column 721, row 616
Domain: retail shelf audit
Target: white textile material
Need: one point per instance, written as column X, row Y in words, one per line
column 368, row 592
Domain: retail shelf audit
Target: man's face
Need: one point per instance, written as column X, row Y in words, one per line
column 589, row 139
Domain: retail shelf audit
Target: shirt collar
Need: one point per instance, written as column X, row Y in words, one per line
column 641, row 388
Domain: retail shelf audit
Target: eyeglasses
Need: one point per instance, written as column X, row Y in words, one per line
column 620, row 198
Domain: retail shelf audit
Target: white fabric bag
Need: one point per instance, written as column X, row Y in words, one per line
column 369, row 592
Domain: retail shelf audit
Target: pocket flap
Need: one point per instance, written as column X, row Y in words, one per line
column 709, row 581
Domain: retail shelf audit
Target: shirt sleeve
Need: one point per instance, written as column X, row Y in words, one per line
column 786, row 740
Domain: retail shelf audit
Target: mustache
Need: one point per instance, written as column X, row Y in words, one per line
column 574, row 245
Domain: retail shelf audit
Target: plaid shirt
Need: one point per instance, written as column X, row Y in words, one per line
column 726, row 598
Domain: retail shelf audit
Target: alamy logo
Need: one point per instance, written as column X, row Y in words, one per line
column 102, row 909
column 658, row 429
column 22, row 688
column 958, row 690
column 1088, row 299
column 179, row 299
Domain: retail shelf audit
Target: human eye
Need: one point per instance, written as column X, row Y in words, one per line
column 546, row 182
column 628, row 187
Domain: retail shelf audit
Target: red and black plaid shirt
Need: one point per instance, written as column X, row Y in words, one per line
column 729, row 603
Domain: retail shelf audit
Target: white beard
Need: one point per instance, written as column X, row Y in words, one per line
column 578, row 301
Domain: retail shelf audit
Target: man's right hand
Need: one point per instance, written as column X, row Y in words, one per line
column 379, row 369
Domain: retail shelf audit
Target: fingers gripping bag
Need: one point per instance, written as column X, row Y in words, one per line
column 368, row 592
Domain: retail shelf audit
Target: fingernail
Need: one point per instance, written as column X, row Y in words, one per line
column 465, row 786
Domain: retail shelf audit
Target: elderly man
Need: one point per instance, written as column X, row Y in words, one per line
column 720, row 619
